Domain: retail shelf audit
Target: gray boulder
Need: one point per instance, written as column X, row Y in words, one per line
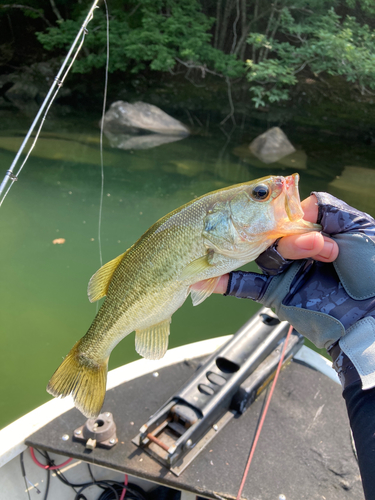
column 140, row 117
column 142, row 141
column 271, row 146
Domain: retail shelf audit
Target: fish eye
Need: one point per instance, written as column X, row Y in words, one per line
column 260, row 192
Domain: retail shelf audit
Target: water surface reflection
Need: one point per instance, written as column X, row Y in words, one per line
column 44, row 306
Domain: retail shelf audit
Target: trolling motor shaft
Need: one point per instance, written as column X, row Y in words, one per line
column 225, row 385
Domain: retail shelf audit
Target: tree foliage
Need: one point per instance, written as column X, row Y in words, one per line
column 159, row 34
column 322, row 43
column 271, row 43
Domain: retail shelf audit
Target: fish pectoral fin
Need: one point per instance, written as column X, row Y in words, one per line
column 198, row 296
column 194, row 268
column 152, row 342
column 99, row 282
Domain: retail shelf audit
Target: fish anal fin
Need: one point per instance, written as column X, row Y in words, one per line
column 152, row 342
column 99, row 282
column 194, row 268
column 83, row 378
column 198, row 296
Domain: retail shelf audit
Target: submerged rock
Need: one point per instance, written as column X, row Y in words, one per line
column 140, row 117
column 57, row 149
column 26, row 88
column 190, row 168
column 296, row 161
column 143, row 141
column 271, row 146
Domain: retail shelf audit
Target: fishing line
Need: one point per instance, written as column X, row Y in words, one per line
column 261, row 421
column 101, row 147
column 58, row 81
column 101, row 138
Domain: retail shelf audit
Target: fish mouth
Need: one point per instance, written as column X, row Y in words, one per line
column 292, row 200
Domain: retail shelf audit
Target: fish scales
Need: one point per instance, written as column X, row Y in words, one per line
column 150, row 270
column 203, row 239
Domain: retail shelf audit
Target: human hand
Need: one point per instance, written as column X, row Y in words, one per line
column 326, row 302
column 329, row 297
column 323, row 300
column 297, row 246
column 309, row 245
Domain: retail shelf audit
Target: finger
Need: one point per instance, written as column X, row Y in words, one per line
column 330, row 251
column 221, row 286
column 310, row 208
column 307, row 245
column 301, row 246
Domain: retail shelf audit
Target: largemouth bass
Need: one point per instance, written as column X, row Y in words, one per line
column 144, row 286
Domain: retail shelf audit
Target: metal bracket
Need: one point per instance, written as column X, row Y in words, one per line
column 225, row 386
column 100, row 431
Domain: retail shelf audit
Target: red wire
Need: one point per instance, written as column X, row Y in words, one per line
column 43, row 466
column 255, row 442
column 53, row 467
column 261, row 422
column 123, row 493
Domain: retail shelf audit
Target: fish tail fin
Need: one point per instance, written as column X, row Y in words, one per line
column 83, row 378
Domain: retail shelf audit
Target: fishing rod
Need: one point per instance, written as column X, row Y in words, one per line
column 10, row 176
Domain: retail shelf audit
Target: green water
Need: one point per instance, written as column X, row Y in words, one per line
column 44, row 308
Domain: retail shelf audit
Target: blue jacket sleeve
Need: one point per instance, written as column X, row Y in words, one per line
column 328, row 303
column 334, row 306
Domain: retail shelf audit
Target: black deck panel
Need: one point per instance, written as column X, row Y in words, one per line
column 304, row 451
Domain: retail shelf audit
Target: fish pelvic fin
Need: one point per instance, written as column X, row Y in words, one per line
column 99, row 282
column 152, row 342
column 198, row 296
column 83, row 378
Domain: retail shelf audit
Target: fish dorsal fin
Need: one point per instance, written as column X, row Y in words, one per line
column 99, row 282
column 194, row 268
column 198, row 296
column 152, row 342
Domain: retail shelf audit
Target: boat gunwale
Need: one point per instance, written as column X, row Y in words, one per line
column 12, row 437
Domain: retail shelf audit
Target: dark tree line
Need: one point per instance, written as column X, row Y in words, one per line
column 267, row 42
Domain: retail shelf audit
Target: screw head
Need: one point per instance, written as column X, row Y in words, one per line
column 282, row 496
column 78, row 432
column 215, row 427
column 188, row 444
column 112, row 441
column 65, row 437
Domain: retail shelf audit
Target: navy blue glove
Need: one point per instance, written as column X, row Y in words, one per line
column 329, row 303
